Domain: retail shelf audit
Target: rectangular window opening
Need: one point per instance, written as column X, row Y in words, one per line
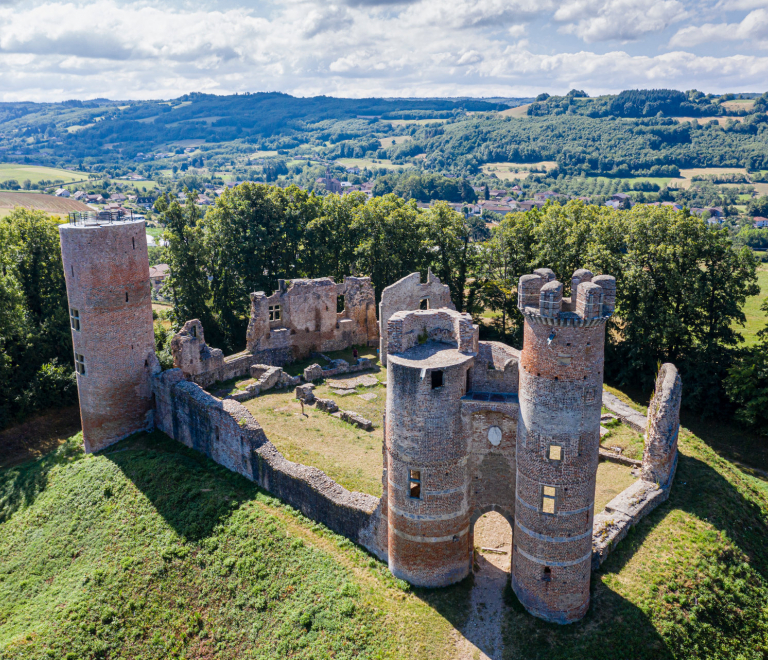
column 74, row 318
column 194, row 331
column 80, row 364
column 274, row 312
column 339, row 304
column 414, row 483
column 424, row 303
column 548, row 497
column 469, row 381
column 555, row 453
column 437, row 379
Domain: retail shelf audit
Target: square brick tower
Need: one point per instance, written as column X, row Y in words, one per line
column 110, row 306
column 558, row 439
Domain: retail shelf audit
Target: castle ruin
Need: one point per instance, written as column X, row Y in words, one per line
column 470, row 426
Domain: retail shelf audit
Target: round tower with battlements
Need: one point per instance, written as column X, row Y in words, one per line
column 427, row 487
column 110, row 307
column 558, row 439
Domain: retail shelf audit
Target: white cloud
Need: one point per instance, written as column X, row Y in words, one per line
column 60, row 49
column 754, row 27
column 620, row 20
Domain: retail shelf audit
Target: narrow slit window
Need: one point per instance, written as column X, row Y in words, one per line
column 74, row 318
column 194, row 330
column 555, row 453
column 414, row 484
column 126, row 296
column 339, row 304
column 424, row 303
column 80, row 364
column 133, row 240
column 274, row 312
column 437, row 379
column 468, row 387
column 548, row 497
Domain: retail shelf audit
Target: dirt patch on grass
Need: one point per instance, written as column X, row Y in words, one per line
column 37, row 436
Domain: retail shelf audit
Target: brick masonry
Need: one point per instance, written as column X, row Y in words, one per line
column 107, row 277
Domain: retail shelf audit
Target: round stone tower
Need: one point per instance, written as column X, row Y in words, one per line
column 110, row 306
column 429, row 354
column 558, row 439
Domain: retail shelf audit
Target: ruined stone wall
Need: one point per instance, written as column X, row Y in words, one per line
column 406, row 294
column 496, row 368
column 228, row 434
column 305, row 321
column 202, row 364
column 108, row 288
column 660, row 455
column 558, row 438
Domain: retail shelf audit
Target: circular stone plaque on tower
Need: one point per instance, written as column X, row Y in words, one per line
column 494, row 436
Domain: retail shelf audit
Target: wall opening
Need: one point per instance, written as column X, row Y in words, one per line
column 414, row 484
column 437, row 379
column 80, row 364
column 133, row 240
column 274, row 312
column 193, row 331
column 548, row 499
column 468, row 384
column 492, row 545
column 126, row 296
column 339, row 304
column 74, row 319
column 424, row 303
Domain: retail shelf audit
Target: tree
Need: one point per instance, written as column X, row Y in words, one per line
column 446, row 239
column 758, row 206
column 486, row 193
column 187, row 282
column 391, row 240
column 35, row 339
column 747, row 383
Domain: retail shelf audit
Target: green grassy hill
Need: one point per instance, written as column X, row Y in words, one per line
column 150, row 550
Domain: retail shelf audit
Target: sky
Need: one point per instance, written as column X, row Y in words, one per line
column 53, row 50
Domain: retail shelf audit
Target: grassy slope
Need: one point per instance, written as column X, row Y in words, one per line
column 152, row 551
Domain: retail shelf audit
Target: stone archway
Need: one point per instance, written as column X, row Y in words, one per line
column 491, row 532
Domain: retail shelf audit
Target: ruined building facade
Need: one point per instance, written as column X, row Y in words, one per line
column 298, row 319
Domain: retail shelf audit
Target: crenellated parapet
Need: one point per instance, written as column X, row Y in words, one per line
column 592, row 301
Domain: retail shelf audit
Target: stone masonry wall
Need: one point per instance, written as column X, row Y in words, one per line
column 227, row 433
column 406, row 294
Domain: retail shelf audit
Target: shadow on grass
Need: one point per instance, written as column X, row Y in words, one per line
column 191, row 492
column 21, row 484
column 730, row 441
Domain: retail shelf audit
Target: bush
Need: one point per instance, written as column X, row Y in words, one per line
column 53, row 386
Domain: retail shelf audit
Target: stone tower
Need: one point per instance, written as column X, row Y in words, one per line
column 558, row 438
column 108, row 288
column 426, row 479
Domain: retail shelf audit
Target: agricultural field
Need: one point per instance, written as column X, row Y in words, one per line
column 371, row 163
column 144, row 183
column 519, row 111
column 739, row 104
column 509, row 171
column 686, row 175
column 47, row 203
column 37, row 173
column 396, row 139
column 756, row 318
